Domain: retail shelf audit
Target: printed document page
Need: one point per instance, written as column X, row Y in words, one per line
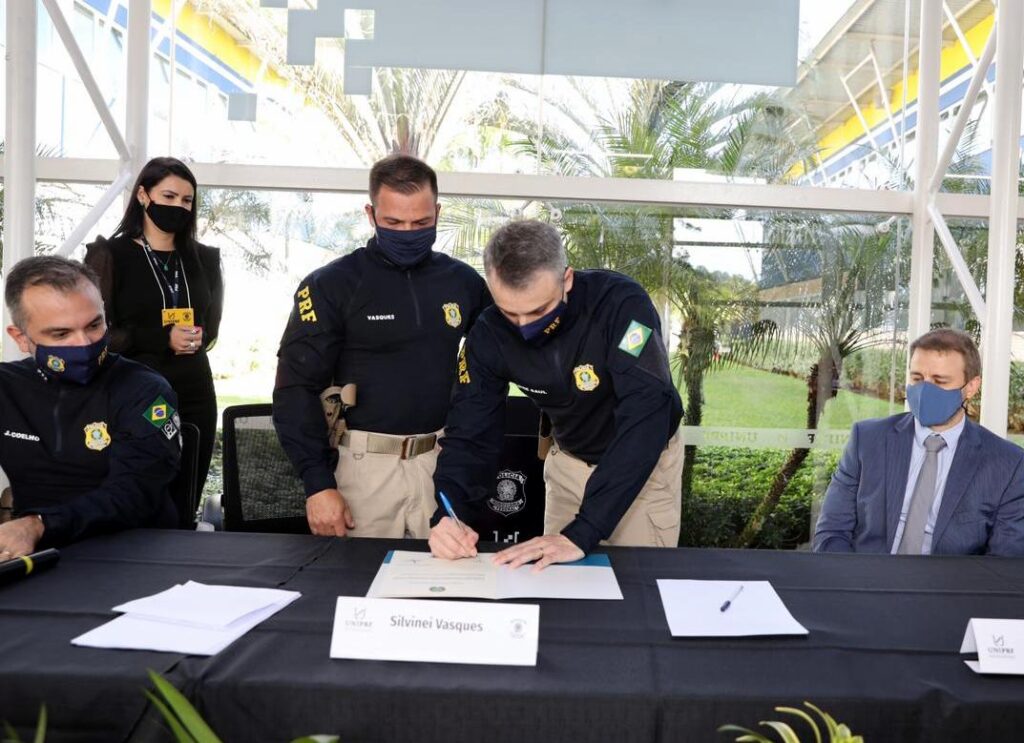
column 725, row 608
column 419, row 575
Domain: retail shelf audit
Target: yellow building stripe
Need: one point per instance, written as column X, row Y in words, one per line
column 952, row 60
column 218, row 43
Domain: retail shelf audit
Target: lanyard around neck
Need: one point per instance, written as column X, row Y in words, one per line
column 167, row 285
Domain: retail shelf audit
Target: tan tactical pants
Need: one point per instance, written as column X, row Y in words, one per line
column 652, row 520
column 388, row 496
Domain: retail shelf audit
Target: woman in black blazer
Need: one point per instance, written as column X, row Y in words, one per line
column 163, row 292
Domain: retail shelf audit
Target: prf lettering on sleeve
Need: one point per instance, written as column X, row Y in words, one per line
column 463, row 366
column 306, row 311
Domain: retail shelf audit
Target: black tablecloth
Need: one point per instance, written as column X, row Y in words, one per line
column 882, row 654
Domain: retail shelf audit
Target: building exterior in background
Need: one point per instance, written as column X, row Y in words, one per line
column 856, row 101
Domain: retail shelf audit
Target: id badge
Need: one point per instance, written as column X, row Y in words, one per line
column 179, row 316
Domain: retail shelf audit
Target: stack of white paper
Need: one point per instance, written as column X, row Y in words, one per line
column 725, row 608
column 191, row 618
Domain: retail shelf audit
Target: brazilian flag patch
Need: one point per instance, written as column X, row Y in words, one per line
column 159, row 412
column 635, row 339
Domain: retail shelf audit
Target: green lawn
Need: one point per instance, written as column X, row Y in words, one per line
column 749, row 398
column 224, row 401
column 742, row 397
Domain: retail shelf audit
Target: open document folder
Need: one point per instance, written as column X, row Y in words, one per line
column 725, row 608
column 420, row 575
column 191, row 618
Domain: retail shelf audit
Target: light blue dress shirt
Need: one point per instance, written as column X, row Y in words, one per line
column 917, row 454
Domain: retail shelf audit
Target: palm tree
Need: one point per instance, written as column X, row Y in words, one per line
column 712, row 308
column 846, row 315
column 239, row 217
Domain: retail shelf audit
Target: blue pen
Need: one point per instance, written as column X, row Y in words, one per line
column 451, row 512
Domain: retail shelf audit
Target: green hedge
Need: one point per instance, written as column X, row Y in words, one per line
column 729, row 483
column 868, row 371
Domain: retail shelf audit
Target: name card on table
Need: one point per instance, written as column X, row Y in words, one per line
column 435, row 631
column 999, row 644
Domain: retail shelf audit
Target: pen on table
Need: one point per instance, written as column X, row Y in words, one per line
column 451, row 512
column 732, row 598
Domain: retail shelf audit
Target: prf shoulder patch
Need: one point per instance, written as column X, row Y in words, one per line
column 635, row 339
column 305, row 305
column 463, row 366
column 159, row 413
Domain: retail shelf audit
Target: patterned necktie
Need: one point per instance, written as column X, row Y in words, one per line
column 923, row 498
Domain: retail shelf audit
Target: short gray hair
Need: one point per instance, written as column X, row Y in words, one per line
column 517, row 251
column 61, row 274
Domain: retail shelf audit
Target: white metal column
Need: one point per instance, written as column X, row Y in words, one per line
column 923, row 243
column 1002, row 228
column 137, row 87
column 20, row 146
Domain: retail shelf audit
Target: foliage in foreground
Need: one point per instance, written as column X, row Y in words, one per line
column 837, row 732
column 186, row 723
column 11, row 735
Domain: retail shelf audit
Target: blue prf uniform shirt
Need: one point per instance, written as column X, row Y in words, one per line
column 90, row 459
column 393, row 332
column 602, row 376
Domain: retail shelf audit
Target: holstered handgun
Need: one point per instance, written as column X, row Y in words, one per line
column 336, row 400
column 544, row 437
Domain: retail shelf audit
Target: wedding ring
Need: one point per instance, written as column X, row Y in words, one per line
column 191, row 344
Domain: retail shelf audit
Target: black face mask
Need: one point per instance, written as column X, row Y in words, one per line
column 406, row 248
column 168, row 218
column 542, row 328
column 78, row 364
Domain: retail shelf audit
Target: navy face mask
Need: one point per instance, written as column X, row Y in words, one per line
column 406, row 248
column 932, row 405
column 168, row 218
column 78, row 364
column 544, row 327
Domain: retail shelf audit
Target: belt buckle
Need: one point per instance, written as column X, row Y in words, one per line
column 407, row 444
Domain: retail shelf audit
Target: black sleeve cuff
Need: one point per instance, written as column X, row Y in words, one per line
column 56, row 527
column 582, row 534
column 316, row 479
column 456, row 496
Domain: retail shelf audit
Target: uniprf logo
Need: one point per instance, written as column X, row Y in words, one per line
column 159, row 413
column 55, row 364
column 509, row 493
column 96, row 436
column 998, row 647
column 358, row 621
column 635, row 339
column 305, row 306
column 452, row 314
column 518, row 629
column 586, row 378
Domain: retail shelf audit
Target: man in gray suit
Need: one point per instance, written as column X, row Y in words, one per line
column 930, row 481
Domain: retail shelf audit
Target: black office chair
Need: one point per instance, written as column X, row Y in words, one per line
column 185, row 487
column 261, row 491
